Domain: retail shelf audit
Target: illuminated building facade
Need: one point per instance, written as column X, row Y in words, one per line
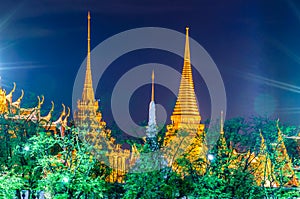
column 89, row 120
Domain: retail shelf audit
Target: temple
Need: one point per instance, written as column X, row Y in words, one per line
column 87, row 113
column 93, row 129
column 185, row 135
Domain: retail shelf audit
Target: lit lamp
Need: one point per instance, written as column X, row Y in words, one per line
column 65, row 180
column 210, row 157
column 26, row 148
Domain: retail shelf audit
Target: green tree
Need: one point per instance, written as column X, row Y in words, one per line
column 69, row 167
column 14, row 134
column 151, row 178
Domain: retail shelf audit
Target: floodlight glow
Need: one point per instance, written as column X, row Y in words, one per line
column 26, row 148
column 65, row 179
column 210, row 157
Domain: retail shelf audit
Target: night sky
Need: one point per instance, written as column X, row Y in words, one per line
column 255, row 45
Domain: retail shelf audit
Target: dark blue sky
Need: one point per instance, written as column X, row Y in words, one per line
column 255, row 45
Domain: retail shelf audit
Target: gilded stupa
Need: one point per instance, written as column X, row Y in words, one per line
column 89, row 120
column 186, row 113
column 186, row 117
column 87, row 115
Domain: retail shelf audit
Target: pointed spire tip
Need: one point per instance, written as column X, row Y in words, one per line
column 153, row 75
column 152, row 93
column 187, row 47
column 88, row 93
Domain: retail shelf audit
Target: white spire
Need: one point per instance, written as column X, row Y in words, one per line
column 152, row 127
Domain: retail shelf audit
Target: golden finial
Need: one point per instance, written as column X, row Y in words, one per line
column 14, row 88
column 222, row 123
column 52, row 107
column 40, row 102
column 69, row 111
column 67, row 116
column 63, row 113
column 279, row 139
column 18, row 101
column 88, row 93
column 43, row 99
column 152, row 95
column 49, row 115
column 262, row 143
column 260, row 134
column 187, row 56
column 9, row 96
column 22, row 95
column 277, row 124
column 89, row 33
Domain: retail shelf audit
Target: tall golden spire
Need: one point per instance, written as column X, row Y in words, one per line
column 88, row 92
column 186, row 113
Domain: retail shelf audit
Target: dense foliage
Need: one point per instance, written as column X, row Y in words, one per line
column 64, row 167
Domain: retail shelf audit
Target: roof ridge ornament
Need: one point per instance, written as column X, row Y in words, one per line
column 18, row 101
column 9, row 96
